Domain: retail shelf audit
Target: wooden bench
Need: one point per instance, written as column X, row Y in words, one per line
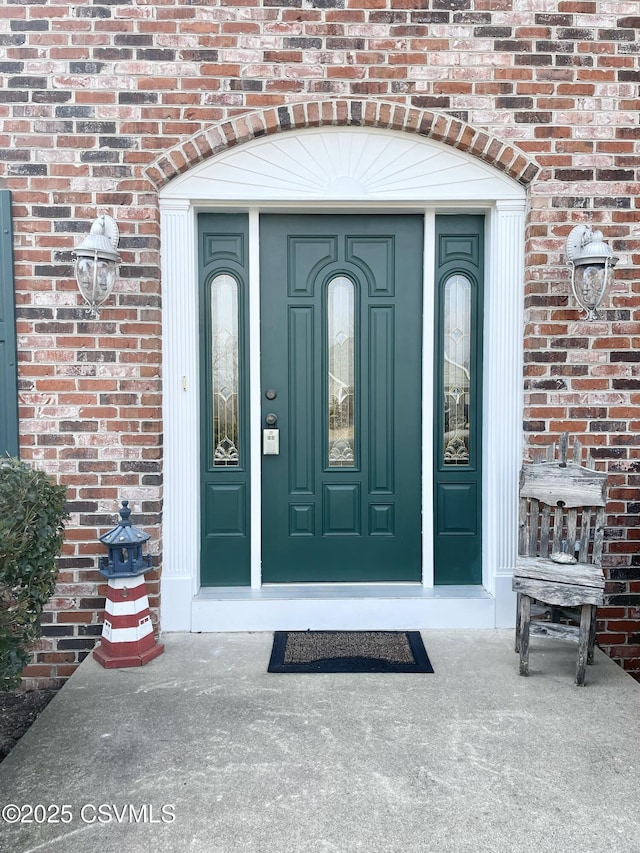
column 562, row 518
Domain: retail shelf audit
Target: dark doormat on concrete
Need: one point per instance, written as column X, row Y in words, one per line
column 349, row 651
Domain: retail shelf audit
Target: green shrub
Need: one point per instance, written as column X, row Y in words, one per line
column 32, row 515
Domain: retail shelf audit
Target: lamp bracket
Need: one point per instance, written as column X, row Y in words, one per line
column 577, row 240
column 107, row 225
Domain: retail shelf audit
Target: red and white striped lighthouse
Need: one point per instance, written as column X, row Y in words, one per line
column 127, row 633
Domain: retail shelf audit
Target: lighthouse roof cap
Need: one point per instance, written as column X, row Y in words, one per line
column 124, row 533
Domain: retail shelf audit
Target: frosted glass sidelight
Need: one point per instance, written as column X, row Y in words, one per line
column 457, row 369
column 224, row 370
column 341, row 371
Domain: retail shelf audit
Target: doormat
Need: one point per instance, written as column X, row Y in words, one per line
column 349, row 651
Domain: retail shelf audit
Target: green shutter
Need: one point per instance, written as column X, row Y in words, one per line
column 8, row 353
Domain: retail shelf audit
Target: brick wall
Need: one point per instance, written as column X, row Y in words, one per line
column 97, row 99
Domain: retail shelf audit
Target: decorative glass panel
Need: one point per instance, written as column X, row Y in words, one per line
column 457, row 366
column 341, row 371
column 224, row 370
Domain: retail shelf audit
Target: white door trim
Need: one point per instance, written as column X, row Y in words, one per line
column 411, row 174
column 255, row 395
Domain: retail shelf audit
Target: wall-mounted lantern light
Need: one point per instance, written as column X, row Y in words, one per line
column 592, row 263
column 96, row 259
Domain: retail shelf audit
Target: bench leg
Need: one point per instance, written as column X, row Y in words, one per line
column 518, row 620
column 525, row 619
column 592, row 633
column 583, row 644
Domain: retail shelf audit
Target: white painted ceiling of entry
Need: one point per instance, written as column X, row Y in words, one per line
column 346, row 164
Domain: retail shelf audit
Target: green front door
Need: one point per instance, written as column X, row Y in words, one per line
column 341, row 350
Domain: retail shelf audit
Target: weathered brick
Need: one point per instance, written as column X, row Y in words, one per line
column 38, row 25
column 86, row 67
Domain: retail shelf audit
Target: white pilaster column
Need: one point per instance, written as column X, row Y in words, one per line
column 428, row 373
column 255, row 396
column 181, row 510
column 503, row 401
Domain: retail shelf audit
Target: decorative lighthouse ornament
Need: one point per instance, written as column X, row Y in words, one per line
column 127, row 633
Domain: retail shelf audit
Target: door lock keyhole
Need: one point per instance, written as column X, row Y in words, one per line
column 271, row 419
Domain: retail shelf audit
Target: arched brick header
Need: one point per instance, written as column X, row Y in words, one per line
column 346, row 113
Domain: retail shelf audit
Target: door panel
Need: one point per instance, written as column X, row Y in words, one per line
column 458, row 396
column 341, row 318
column 225, row 481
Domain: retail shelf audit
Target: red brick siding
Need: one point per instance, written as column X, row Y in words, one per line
column 100, row 103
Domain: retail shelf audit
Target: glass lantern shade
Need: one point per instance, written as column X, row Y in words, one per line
column 590, row 283
column 592, row 263
column 96, row 278
column 96, row 262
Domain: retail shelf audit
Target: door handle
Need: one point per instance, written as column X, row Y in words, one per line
column 271, row 436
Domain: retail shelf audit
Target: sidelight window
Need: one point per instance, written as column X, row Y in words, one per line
column 224, row 370
column 457, row 369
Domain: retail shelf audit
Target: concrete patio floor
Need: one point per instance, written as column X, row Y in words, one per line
column 203, row 750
